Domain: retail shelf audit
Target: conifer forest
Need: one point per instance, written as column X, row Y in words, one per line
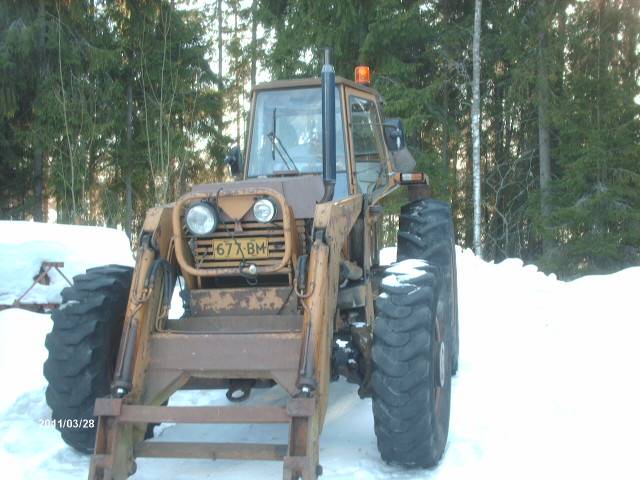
column 108, row 107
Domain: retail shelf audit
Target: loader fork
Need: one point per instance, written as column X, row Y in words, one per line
column 175, row 357
column 299, row 456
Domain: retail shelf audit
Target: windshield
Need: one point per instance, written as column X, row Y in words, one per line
column 287, row 133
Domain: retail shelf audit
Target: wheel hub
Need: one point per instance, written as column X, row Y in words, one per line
column 441, row 364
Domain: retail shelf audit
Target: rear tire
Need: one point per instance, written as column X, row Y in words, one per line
column 411, row 376
column 83, row 346
column 426, row 232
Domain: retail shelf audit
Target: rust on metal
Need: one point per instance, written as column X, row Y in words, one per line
column 214, row 451
column 161, row 414
column 107, row 407
column 236, row 324
column 243, row 301
column 260, row 352
column 301, row 407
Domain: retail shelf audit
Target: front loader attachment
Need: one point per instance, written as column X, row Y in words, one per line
column 176, row 356
column 275, row 336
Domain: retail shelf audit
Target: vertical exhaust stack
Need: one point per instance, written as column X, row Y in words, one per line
column 328, row 78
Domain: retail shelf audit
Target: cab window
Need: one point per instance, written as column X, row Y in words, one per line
column 287, row 136
column 287, row 133
column 367, row 143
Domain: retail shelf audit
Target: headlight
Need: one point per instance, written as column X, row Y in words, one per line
column 264, row 210
column 201, row 219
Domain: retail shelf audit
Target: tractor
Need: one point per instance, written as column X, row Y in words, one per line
column 279, row 276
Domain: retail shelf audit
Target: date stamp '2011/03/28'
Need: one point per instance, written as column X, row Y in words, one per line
column 68, row 422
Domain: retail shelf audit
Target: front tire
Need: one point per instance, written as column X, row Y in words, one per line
column 426, row 232
column 411, row 377
column 83, row 346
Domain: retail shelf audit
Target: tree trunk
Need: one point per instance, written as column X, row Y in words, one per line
column 38, row 189
column 238, row 82
column 544, row 142
column 92, row 190
column 446, row 163
column 38, row 170
column 220, row 40
column 467, row 175
column 475, row 131
column 128, row 224
column 560, row 61
column 254, row 41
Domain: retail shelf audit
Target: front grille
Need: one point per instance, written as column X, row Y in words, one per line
column 202, row 247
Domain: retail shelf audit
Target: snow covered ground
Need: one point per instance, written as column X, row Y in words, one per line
column 547, row 388
column 25, row 245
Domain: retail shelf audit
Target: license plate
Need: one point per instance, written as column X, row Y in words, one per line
column 247, row 248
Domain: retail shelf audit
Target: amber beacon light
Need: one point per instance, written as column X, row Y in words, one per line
column 363, row 74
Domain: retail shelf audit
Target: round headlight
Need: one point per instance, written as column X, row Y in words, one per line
column 264, row 210
column 201, row 219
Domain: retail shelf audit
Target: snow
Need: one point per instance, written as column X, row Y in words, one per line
column 25, row 245
column 402, row 276
column 22, row 352
column 406, row 266
column 547, row 388
column 387, row 255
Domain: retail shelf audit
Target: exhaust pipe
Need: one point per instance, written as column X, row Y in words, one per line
column 328, row 79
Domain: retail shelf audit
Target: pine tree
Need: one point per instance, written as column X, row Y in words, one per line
column 80, row 100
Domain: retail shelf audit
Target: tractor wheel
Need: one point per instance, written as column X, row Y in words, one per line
column 411, row 377
column 426, row 232
column 83, row 346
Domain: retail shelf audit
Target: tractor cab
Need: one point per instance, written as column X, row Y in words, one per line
column 286, row 137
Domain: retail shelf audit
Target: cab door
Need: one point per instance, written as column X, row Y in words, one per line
column 369, row 156
column 369, row 162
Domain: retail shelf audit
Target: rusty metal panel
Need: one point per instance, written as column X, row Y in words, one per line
column 224, row 353
column 160, row 414
column 301, row 407
column 226, row 451
column 242, row 301
column 108, row 407
column 236, row 324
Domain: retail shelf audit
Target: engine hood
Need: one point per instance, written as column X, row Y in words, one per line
column 302, row 193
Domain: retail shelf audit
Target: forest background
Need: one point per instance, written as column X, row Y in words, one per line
column 110, row 107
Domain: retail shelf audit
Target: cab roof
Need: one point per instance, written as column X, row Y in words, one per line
column 314, row 82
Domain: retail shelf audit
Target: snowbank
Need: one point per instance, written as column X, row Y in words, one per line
column 22, row 352
column 547, row 388
column 25, row 245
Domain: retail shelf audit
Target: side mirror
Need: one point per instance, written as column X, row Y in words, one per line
column 394, row 134
column 234, row 160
